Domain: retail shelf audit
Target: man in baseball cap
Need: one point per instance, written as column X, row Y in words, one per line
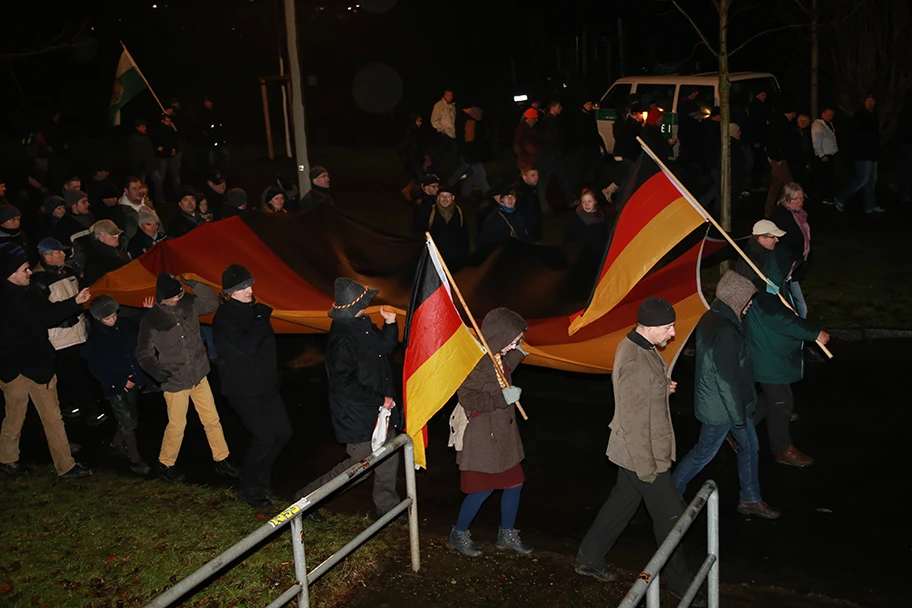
column 764, row 237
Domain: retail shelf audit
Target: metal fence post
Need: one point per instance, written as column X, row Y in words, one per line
column 412, row 492
column 652, row 592
column 712, row 542
column 297, row 547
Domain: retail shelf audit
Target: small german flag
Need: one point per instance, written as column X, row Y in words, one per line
column 439, row 349
column 656, row 215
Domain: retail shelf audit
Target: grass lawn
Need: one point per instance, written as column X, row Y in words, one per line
column 118, row 541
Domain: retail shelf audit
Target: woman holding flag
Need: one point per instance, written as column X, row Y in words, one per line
column 491, row 446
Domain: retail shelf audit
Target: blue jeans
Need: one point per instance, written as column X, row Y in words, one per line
column 209, row 340
column 711, row 438
column 801, row 306
column 865, row 180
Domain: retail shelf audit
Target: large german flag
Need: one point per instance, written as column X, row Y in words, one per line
column 656, row 215
column 439, row 350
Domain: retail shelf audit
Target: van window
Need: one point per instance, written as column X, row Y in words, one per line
column 661, row 94
column 706, row 96
column 616, row 98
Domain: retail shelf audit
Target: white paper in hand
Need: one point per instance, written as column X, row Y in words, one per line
column 380, row 429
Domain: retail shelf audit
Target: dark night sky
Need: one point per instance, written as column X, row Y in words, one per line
column 191, row 48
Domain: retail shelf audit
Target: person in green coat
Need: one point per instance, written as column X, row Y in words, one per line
column 775, row 339
column 724, row 397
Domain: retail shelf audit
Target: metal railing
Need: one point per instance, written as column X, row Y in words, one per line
column 648, row 581
column 292, row 516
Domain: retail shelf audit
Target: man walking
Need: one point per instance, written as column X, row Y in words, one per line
column 27, row 363
column 642, row 444
column 823, row 137
column 725, row 399
column 247, row 367
column 171, row 351
column 360, row 383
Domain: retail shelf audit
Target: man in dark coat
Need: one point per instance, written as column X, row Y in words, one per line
column 725, row 398
column 77, row 220
column 552, row 163
column 105, row 253
column 502, row 225
column 527, row 141
column 319, row 191
column 186, row 219
column 590, row 148
column 148, row 233
column 143, row 163
column 27, row 363
column 246, row 345
column 783, row 144
column 865, row 150
column 445, row 221
column 171, row 351
column 527, row 202
column 360, row 383
column 110, row 353
column 167, row 152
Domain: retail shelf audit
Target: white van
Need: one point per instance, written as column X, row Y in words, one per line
column 666, row 90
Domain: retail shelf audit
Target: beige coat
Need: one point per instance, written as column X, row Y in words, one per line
column 642, row 437
column 64, row 337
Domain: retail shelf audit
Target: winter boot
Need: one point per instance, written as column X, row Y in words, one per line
column 462, row 542
column 509, row 539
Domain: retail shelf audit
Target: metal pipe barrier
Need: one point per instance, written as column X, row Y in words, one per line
column 648, row 581
column 292, row 517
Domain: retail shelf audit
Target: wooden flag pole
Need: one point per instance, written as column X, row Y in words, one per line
column 497, row 367
column 725, row 234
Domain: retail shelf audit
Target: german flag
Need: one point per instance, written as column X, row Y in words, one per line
column 657, row 214
column 439, row 353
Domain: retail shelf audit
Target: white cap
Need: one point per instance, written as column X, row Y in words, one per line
column 766, row 227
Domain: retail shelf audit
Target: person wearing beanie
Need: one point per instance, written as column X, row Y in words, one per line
column 527, row 141
column 148, row 233
column 27, row 361
column 110, row 353
column 360, row 383
column 186, row 219
column 429, row 186
column 235, row 204
column 56, row 279
column 11, row 228
column 274, row 201
column 502, row 225
column 286, row 181
column 527, row 201
column 319, row 191
column 54, row 209
column 491, row 452
column 77, row 220
column 247, row 366
column 171, row 351
column 444, row 219
column 783, row 147
column 642, row 445
column 725, row 397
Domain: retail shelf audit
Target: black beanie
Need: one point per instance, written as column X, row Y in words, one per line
column 12, row 257
column 236, row 198
column 655, row 312
column 166, row 287
column 236, row 278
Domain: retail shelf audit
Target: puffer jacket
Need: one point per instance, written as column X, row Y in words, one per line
column 58, row 283
column 724, row 391
column 491, row 441
column 173, row 331
column 642, row 436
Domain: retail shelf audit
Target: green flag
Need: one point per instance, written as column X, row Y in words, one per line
column 128, row 82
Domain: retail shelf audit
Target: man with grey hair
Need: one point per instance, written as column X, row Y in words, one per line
column 104, row 253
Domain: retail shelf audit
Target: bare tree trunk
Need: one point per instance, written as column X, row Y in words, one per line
column 725, row 176
column 815, row 59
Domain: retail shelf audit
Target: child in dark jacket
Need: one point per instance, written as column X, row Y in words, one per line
column 111, row 354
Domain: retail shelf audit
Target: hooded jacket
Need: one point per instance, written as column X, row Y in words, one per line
column 724, row 391
column 173, row 332
column 491, row 442
column 360, row 377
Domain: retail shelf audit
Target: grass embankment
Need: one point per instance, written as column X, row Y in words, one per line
column 119, row 541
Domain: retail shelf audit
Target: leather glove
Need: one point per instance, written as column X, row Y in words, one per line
column 649, row 478
column 511, row 393
column 163, row 376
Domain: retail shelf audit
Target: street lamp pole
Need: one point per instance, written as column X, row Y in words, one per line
column 297, row 98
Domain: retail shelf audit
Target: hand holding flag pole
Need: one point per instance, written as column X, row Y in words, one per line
column 497, row 366
column 725, row 234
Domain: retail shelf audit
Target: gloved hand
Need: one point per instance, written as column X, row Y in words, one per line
column 511, row 393
column 163, row 376
column 649, row 478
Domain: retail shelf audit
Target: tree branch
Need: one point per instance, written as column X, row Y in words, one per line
column 696, row 27
column 52, row 45
column 764, row 33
